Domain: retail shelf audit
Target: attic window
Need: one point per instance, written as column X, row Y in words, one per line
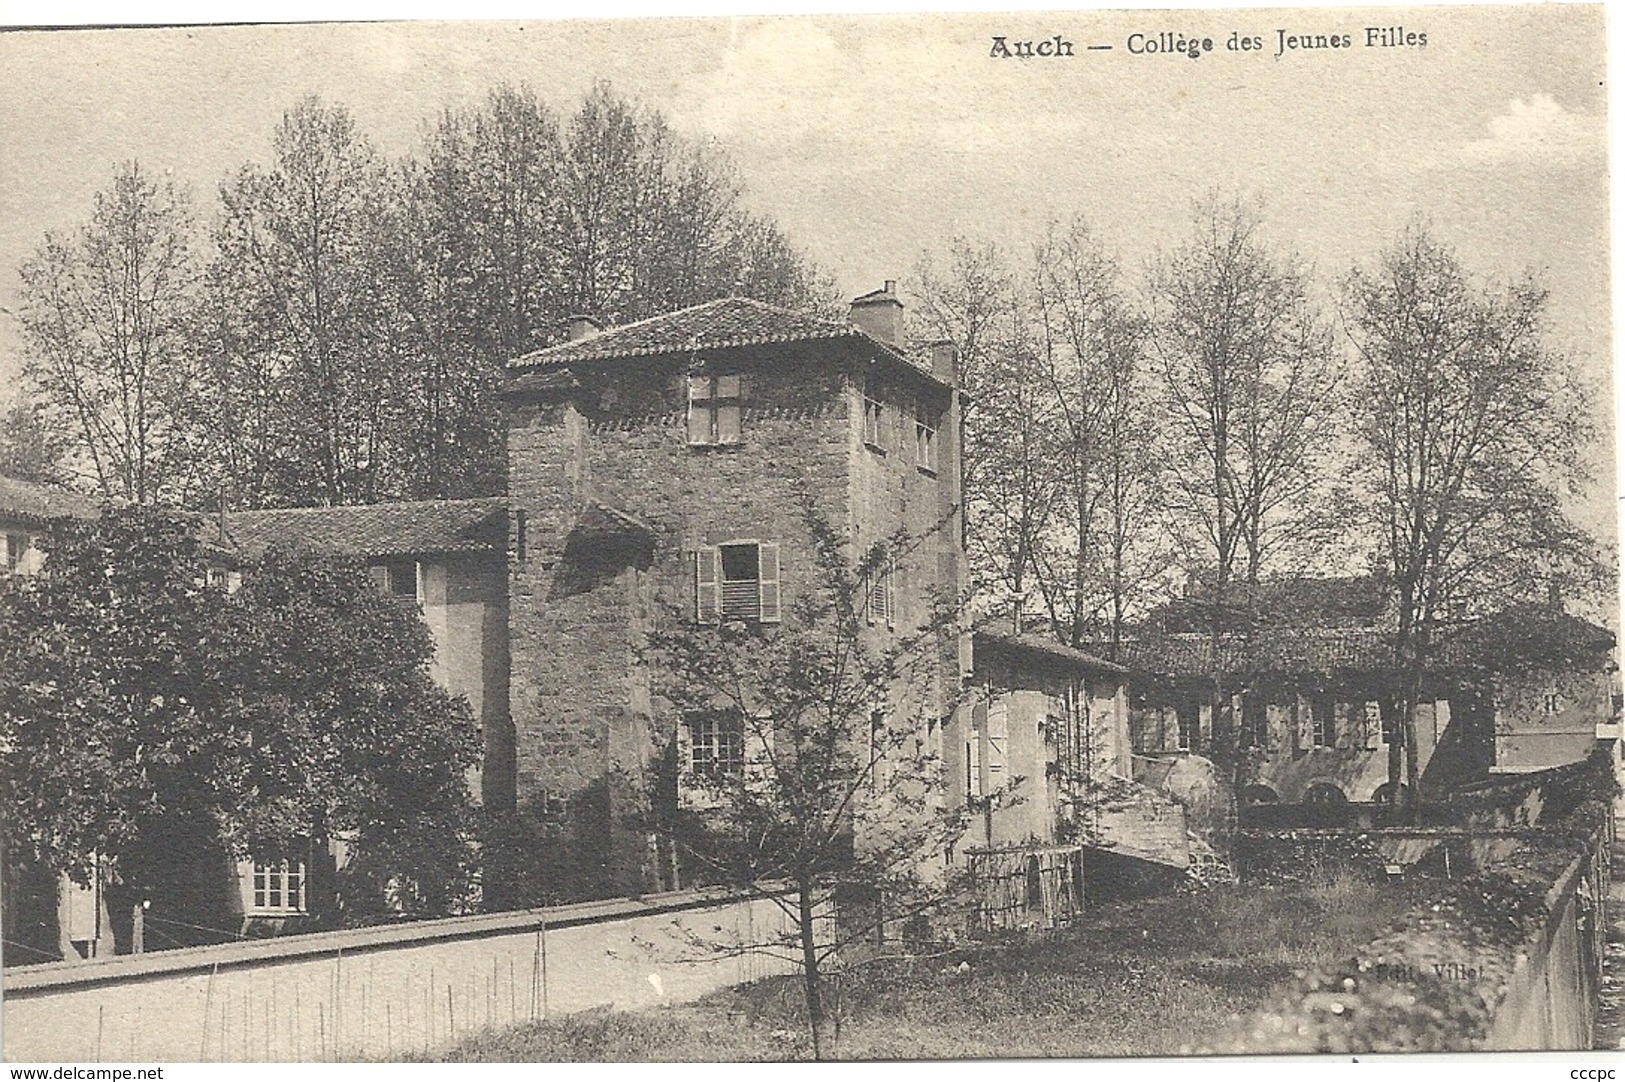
column 715, row 410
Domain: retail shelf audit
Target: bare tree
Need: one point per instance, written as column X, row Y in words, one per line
column 1477, row 428
column 811, row 779
column 1013, row 450
column 1250, row 383
column 103, row 316
column 1093, row 347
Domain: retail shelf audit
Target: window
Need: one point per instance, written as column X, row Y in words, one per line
column 1188, row 717
column 737, row 581
column 1370, row 722
column 1255, row 730
column 880, row 598
column 1393, row 726
column 1551, row 703
column 925, row 442
column 278, row 887
column 714, row 410
column 873, row 417
column 401, row 579
column 1323, row 723
column 16, row 545
column 716, row 746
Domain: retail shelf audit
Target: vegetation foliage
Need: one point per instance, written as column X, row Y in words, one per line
column 153, row 720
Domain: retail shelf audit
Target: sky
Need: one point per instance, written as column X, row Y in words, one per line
column 871, row 139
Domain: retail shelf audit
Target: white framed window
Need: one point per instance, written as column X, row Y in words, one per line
column 716, row 745
column 738, row 580
column 275, row 888
column 715, row 410
column 925, row 442
column 874, row 416
column 402, row 578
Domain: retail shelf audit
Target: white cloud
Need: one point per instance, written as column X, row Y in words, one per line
column 1539, row 131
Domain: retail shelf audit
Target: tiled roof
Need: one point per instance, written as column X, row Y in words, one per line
column 1295, row 651
column 423, row 527
column 1287, row 601
column 1041, row 644
column 719, row 324
column 26, row 502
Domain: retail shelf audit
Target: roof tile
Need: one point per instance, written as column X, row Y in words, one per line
column 423, row 527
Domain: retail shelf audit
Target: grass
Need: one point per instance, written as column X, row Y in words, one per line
column 1154, row 977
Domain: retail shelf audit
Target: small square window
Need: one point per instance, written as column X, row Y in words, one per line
column 278, row 888
column 401, row 578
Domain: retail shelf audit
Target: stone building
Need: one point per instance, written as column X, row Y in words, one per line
column 671, row 469
column 1308, row 665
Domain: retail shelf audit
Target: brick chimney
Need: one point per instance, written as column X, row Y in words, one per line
column 880, row 314
column 583, row 326
column 945, row 362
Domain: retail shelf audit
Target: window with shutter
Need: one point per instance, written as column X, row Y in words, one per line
column 738, row 581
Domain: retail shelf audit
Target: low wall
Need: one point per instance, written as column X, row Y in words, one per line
column 388, row 992
column 1506, row 958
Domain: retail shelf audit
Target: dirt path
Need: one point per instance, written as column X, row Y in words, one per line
column 1610, row 1029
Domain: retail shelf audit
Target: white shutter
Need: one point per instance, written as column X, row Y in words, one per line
column 1303, row 711
column 973, row 751
column 707, row 584
column 998, row 741
column 891, row 592
column 769, row 582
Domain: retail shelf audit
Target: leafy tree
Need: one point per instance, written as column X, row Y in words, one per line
column 824, row 780
column 1477, row 429
column 31, row 449
column 148, row 718
column 103, row 316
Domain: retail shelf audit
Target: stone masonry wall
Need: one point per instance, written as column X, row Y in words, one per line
column 581, row 703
